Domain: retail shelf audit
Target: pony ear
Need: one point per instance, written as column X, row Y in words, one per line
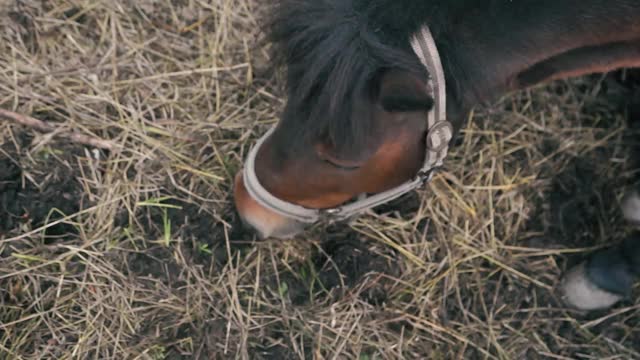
column 401, row 91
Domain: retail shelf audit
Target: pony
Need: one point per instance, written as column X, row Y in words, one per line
column 358, row 95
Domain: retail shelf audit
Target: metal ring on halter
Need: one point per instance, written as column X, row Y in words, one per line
column 439, row 136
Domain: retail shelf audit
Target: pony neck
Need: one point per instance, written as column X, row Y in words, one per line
column 494, row 47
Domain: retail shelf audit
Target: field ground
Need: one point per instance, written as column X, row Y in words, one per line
column 136, row 252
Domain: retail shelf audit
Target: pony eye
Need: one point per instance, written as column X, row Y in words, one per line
column 406, row 104
column 341, row 166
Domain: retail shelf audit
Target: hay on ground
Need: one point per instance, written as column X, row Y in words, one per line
column 136, row 252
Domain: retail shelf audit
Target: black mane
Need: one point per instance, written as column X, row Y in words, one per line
column 333, row 51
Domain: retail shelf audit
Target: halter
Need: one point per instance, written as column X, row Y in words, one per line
column 440, row 133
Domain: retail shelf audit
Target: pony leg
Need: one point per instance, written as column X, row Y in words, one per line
column 608, row 275
column 631, row 207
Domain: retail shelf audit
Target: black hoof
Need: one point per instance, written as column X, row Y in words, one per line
column 605, row 278
column 580, row 292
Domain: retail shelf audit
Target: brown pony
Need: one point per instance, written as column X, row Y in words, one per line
column 355, row 124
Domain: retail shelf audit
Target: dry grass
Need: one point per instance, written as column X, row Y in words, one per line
column 146, row 261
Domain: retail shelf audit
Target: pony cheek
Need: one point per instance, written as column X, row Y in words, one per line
column 264, row 222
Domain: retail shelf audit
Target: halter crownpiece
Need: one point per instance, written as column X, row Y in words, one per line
column 440, row 133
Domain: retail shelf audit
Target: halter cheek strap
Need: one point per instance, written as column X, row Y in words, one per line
column 438, row 138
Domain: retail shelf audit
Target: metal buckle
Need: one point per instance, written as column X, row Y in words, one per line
column 329, row 215
column 425, row 177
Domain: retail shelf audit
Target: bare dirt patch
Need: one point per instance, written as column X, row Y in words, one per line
column 29, row 198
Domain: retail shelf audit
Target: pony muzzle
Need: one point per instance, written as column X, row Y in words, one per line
column 265, row 222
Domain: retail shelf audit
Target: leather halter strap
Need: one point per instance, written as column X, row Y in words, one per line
column 440, row 133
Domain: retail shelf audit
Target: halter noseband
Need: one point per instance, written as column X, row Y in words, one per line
column 439, row 135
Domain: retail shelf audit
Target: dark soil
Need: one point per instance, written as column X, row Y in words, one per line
column 53, row 194
column 203, row 235
column 352, row 261
column 580, row 209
